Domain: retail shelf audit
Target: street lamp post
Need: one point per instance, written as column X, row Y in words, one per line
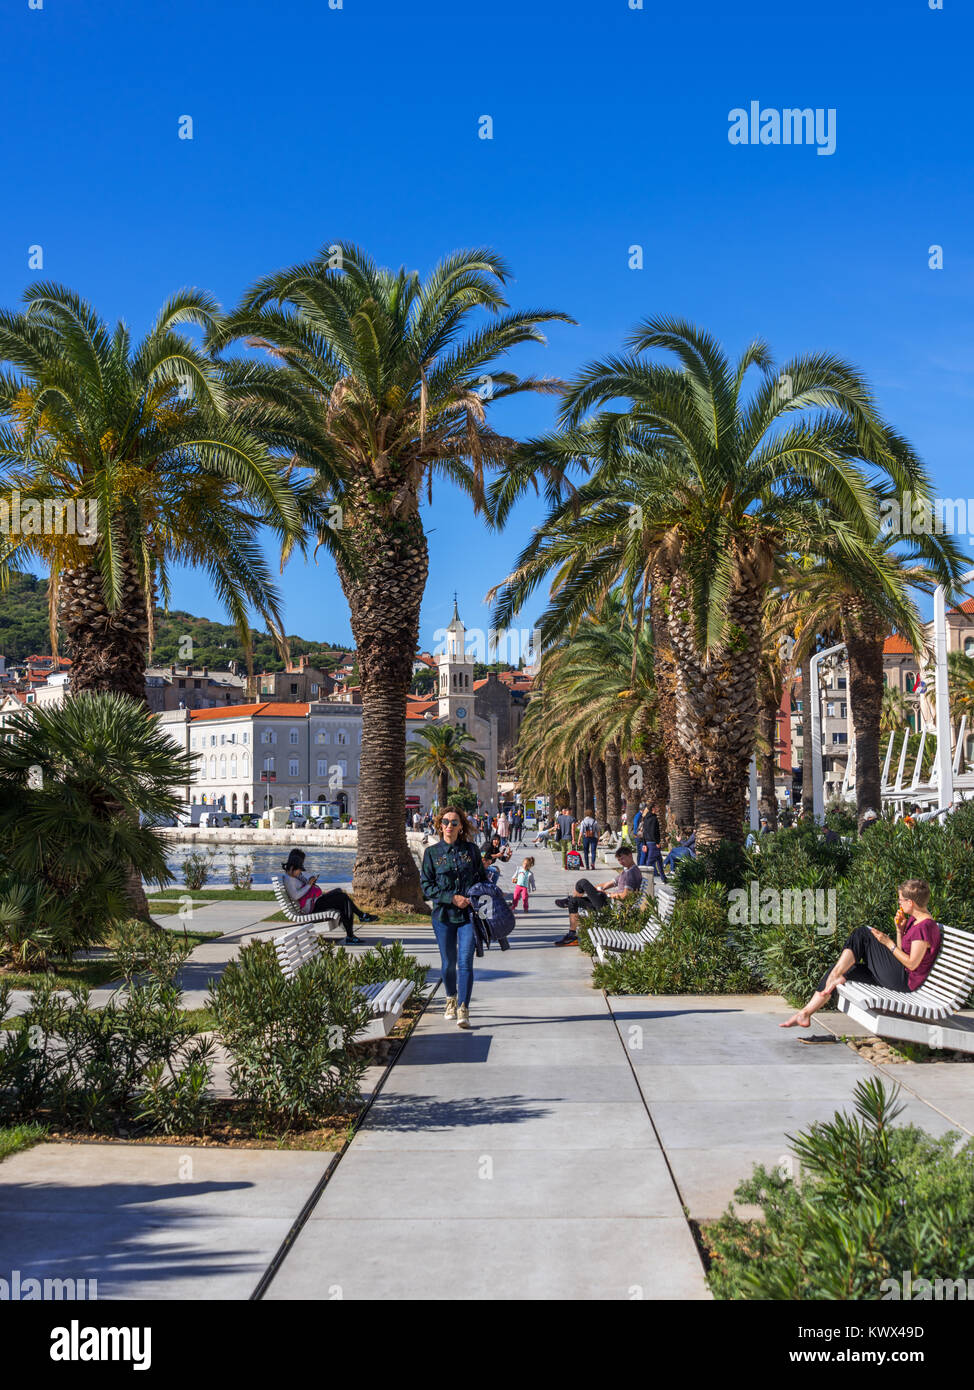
column 815, row 712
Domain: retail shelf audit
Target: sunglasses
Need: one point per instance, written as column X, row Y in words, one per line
column 450, row 822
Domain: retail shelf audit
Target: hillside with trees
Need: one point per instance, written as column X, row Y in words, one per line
column 24, row 632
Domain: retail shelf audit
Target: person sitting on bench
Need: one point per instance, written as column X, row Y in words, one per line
column 308, row 897
column 871, row 957
column 587, row 896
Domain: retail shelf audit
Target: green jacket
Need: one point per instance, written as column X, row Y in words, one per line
column 448, row 870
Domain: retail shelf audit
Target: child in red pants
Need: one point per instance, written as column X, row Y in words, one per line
column 523, row 880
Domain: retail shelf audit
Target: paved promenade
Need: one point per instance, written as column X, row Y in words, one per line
column 553, row 1151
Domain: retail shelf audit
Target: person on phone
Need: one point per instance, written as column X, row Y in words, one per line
column 451, row 866
column 871, row 957
column 304, row 892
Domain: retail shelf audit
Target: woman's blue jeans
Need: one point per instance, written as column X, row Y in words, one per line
column 456, row 956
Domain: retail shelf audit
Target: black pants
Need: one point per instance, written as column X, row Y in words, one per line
column 587, row 896
column 338, row 899
column 875, row 963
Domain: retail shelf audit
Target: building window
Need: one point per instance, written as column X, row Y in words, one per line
column 342, row 765
column 246, row 738
column 322, row 767
column 246, row 767
column 840, row 738
column 844, row 710
column 292, row 767
column 830, row 711
column 212, row 740
column 341, row 737
column 969, row 646
column 292, row 736
column 233, row 768
column 321, row 736
column 268, row 764
column 314, row 692
column 212, row 766
column 268, row 736
column 223, row 768
column 294, row 687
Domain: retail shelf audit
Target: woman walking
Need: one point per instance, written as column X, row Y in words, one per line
column 304, row 892
column 871, row 957
column 451, row 866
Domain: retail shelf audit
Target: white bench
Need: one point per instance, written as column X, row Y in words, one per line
column 919, row 1015
column 291, row 912
column 296, row 947
column 610, row 939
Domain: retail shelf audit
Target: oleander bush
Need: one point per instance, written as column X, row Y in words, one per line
column 870, row 1201
column 694, row 953
column 137, row 1061
column 290, row 1040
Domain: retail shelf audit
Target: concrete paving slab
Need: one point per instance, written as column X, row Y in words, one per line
column 492, row 1260
column 151, row 1221
column 594, row 1048
column 490, row 1082
column 744, row 1083
column 508, row 1184
column 433, row 1121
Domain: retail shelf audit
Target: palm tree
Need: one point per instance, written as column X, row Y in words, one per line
column 865, row 592
column 67, row 834
column 602, row 712
column 442, row 751
column 143, row 434
column 721, row 485
column 960, row 684
column 381, row 384
column 894, row 714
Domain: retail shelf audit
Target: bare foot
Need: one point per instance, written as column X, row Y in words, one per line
column 797, row 1020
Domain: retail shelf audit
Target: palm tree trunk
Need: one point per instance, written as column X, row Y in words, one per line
column 613, row 790
column 442, row 789
column 864, row 634
column 588, row 786
column 717, row 701
column 384, row 594
column 598, row 785
column 767, row 732
column 108, row 655
column 680, row 787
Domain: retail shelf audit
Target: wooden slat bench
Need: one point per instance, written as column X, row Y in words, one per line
column 298, row 945
column 608, row 940
column 291, row 912
column 920, row 1015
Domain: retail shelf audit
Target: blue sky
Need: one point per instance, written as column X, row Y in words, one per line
column 610, row 129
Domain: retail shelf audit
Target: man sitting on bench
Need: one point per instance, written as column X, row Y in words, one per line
column 591, row 898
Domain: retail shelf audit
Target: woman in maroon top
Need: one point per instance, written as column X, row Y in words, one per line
column 871, row 957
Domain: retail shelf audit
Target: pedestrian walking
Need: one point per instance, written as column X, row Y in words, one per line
column 589, row 831
column 450, row 867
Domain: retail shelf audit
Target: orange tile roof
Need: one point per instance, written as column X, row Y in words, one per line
column 897, row 646
column 966, row 607
column 279, row 710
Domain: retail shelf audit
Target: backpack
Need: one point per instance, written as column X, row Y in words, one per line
column 573, row 860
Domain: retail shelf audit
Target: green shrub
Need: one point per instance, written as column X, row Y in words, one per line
column 841, row 817
column 383, row 962
column 873, row 1201
column 726, row 864
column 136, row 1060
column 694, row 953
column 242, row 873
column 290, row 1040
column 196, row 868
